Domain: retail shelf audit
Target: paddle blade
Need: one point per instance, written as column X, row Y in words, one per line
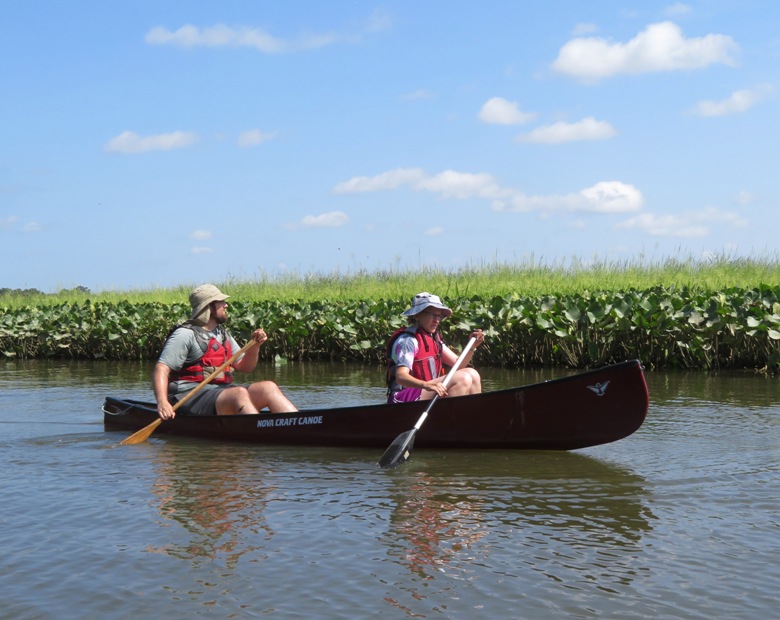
column 399, row 451
column 142, row 435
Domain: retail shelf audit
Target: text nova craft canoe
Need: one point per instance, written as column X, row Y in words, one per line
column 578, row 411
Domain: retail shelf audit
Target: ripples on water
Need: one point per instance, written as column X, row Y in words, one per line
column 677, row 521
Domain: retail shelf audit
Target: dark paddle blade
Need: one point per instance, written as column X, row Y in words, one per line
column 398, row 452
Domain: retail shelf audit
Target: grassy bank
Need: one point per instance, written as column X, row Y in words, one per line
column 719, row 314
column 531, row 278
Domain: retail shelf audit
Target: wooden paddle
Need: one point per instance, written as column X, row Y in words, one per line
column 143, row 434
column 399, row 451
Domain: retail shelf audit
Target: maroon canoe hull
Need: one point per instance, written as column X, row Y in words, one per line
column 587, row 409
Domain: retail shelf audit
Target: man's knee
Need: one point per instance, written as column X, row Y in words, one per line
column 263, row 387
column 238, row 391
column 234, row 399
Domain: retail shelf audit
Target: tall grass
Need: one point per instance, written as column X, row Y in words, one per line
column 529, row 278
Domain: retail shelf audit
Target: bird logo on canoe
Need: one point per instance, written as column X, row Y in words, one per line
column 599, row 389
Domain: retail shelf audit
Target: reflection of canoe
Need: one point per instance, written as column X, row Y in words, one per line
column 587, row 409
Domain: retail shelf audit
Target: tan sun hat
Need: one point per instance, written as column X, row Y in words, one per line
column 421, row 301
column 200, row 299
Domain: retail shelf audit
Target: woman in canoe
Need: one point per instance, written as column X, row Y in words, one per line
column 416, row 356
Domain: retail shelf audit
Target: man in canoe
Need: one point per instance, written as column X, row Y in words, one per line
column 195, row 349
column 416, row 356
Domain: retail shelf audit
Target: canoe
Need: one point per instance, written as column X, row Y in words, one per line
column 582, row 410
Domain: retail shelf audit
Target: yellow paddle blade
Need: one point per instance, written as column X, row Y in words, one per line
column 142, row 435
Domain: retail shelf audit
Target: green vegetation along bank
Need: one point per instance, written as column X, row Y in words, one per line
column 663, row 326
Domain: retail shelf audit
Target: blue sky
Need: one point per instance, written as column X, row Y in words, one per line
column 162, row 143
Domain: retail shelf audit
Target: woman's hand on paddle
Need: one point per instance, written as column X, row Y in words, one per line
column 478, row 336
column 435, row 386
column 404, row 378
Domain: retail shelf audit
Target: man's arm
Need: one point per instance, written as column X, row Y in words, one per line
column 160, row 379
column 248, row 361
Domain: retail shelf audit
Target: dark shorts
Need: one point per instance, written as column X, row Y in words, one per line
column 407, row 395
column 205, row 401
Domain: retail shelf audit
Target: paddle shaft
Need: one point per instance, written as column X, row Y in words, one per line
column 143, row 434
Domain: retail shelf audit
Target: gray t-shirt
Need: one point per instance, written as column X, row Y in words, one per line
column 182, row 349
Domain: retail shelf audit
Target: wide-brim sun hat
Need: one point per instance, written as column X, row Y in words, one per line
column 201, row 297
column 422, row 301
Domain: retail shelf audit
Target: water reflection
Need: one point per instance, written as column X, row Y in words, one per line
column 704, row 388
column 568, row 504
column 209, row 492
column 43, row 374
column 437, row 528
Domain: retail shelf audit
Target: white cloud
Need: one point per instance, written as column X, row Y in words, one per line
column 586, row 129
column 8, row 222
column 221, row 35
column 499, row 111
column 434, row 231
column 678, row 10
column 385, row 181
column 684, row 225
column 585, row 28
column 253, row 137
column 746, row 198
column 462, row 185
column 129, row 142
column 448, row 184
column 201, row 235
column 660, row 47
column 612, row 197
column 334, row 219
column 202, row 250
column 603, row 197
column 738, row 101
column 379, row 21
column 11, row 221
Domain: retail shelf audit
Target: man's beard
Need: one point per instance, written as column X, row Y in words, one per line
column 218, row 319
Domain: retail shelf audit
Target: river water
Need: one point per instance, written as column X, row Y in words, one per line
column 679, row 520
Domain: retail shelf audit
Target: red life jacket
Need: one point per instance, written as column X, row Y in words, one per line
column 427, row 362
column 215, row 353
